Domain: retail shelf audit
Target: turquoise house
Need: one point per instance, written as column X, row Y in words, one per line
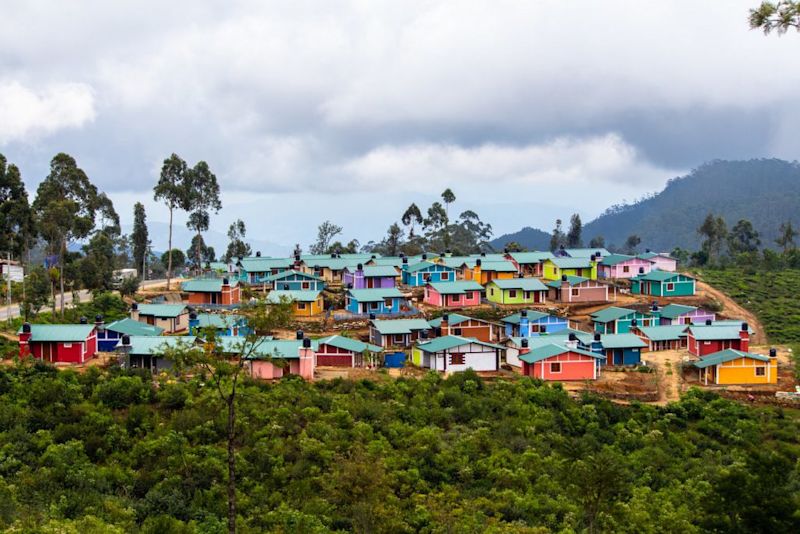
column 419, row 274
column 382, row 301
column 256, row 269
column 292, row 280
column 614, row 320
column 663, row 284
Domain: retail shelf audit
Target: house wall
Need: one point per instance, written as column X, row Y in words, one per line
column 574, row 366
column 432, row 297
column 472, row 329
column 623, row 326
column 309, row 309
column 476, row 357
column 170, row 325
column 504, row 296
column 298, row 283
column 435, row 273
column 107, row 340
column 586, row 292
column 703, row 348
column 629, row 356
column 337, row 357
column 698, row 316
column 381, row 308
column 743, row 371
column 682, row 287
column 60, row 352
column 664, row 264
column 625, row 269
column 552, row 272
column 470, row 298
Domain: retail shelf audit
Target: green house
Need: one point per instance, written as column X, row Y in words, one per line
column 516, row 291
column 663, row 284
column 615, row 320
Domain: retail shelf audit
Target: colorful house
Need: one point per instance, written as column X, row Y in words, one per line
column 369, row 277
column 708, row 339
column 108, row 335
column 576, row 289
column 149, row 352
column 58, row 343
column 453, row 354
column 674, row 314
column 619, row 349
column 662, row 262
column 172, row 318
column 293, row 280
column 484, row 272
column 305, row 303
column 419, row 274
column 622, row 266
column 214, row 291
column 529, row 263
column 614, row 320
column 555, row 268
column 662, row 337
column 561, row 361
column 516, row 291
column 460, row 294
column 598, row 253
column 663, row 284
column 255, row 270
column 269, row 359
column 340, row 351
column 531, row 323
column 384, row 301
column 730, row 366
column 331, row 269
column 224, row 325
column 460, row 325
column 399, row 333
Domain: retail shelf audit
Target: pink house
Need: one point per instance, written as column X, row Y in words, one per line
column 559, row 361
column 458, row 294
column 622, row 266
column 662, row 262
column 269, row 359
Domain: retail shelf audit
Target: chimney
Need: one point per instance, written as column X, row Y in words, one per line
column 258, row 254
column 524, row 346
column 448, row 252
column 24, row 340
column 424, row 257
column 483, row 254
column 773, row 352
column 373, row 257
column 592, row 258
column 405, row 263
column 360, row 267
column 744, row 338
column 597, row 344
column 135, row 311
column 306, row 354
column 99, row 324
column 647, row 250
column 299, row 335
column 709, row 322
column 524, row 324
column 225, row 282
column 423, row 334
column 478, row 262
column 572, row 342
column 83, row 320
column 598, row 254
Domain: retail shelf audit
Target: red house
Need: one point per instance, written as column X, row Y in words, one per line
column 340, row 351
column 213, row 291
column 58, row 343
column 559, row 361
column 453, row 294
column 708, row 338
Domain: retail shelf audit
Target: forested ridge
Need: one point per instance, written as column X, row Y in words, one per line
column 112, row 452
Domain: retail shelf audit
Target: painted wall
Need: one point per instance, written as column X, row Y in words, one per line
column 471, row 329
column 682, row 287
column 552, row 272
column 703, row 348
column 625, row 269
column 309, row 309
column 514, row 296
column 434, row 273
column 434, row 298
column 585, row 292
column 698, row 316
column 574, row 366
column 60, row 352
column 337, row 357
column 379, row 308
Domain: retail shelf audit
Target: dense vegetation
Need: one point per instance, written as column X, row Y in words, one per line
column 764, row 191
column 109, row 452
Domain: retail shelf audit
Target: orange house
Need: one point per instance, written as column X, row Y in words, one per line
column 215, row 291
column 484, row 272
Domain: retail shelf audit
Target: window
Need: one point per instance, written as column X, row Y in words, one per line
column 455, row 298
column 512, row 293
column 457, row 358
column 761, row 371
column 301, row 305
column 555, row 367
column 67, row 345
column 458, row 331
column 388, row 303
column 398, row 338
column 575, row 291
column 491, row 291
column 374, row 305
column 706, row 343
column 626, row 269
column 670, row 287
column 579, row 272
column 306, row 285
column 444, row 276
column 687, row 320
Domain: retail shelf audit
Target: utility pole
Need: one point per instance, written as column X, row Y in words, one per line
column 8, row 286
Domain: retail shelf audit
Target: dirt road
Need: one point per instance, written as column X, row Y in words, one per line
column 668, row 366
column 732, row 309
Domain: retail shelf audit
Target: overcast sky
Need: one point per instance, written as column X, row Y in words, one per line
column 348, row 111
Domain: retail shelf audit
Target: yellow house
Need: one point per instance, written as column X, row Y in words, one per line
column 484, row 272
column 554, row 268
column 306, row 303
column 731, row 366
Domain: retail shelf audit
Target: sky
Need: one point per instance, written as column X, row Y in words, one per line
column 350, row 111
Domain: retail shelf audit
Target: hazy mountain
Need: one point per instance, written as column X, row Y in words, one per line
column 765, row 191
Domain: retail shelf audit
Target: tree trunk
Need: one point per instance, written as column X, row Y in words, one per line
column 169, row 250
column 63, row 253
column 231, row 465
column 197, row 252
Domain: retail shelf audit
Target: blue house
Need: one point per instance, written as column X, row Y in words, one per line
column 292, row 280
column 419, row 274
column 531, row 323
column 618, row 349
column 254, row 270
column 109, row 335
column 225, row 325
column 383, row 301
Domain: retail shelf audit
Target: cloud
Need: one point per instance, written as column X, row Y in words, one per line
column 29, row 114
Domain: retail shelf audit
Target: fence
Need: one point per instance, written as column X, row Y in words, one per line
column 350, row 316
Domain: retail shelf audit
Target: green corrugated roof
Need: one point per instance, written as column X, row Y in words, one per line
column 524, row 284
column 306, row 295
column 374, row 295
column 621, row 341
column 205, row 285
column 614, row 259
column 290, row 272
column 586, row 252
column 549, row 350
column 60, row 332
column 714, row 333
column 216, row 320
column 571, row 280
column 657, row 275
column 379, row 271
column 489, row 257
column 448, row 342
column 664, row 332
column 457, row 261
column 571, row 263
column 350, row 344
column 727, row 355
column 394, row 261
column 533, row 315
column 612, row 313
column 335, row 264
column 673, row 311
column 504, row 266
column 458, row 287
column 531, row 257
column 650, row 255
column 134, row 328
column 422, row 265
column 388, row 327
column 346, row 256
column 263, row 265
column 263, row 347
column 218, row 266
column 155, row 345
column 162, row 310
column 736, row 323
column 454, row 319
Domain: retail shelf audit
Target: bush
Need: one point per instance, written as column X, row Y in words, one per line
column 123, row 391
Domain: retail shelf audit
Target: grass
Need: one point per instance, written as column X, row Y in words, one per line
column 771, row 295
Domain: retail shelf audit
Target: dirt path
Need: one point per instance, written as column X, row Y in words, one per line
column 733, row 309
column 667, row 364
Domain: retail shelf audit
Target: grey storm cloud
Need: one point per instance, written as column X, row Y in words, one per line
column 381, row 103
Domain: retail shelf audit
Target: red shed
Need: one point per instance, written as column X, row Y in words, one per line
column 58, row 343
column 710, row 338
column 561, row 361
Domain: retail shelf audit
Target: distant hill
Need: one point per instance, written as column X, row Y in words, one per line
column 765, row 191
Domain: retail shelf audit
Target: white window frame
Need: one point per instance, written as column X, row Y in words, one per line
column 761, row 371
column 444, row 275
column 670, row 286
column 560, row 368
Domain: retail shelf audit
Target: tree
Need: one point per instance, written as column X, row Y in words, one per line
column 225, row 367
column 786, row 235
column 65, row 207
column 97, row 266
column 743, row 238
column 513, row 246
column 237, row 247
column 325, row 234
column 129, row 286
column 203, row 199
column 173, row 189
column 17, row 230
column 470, row 234
column 715, row 232
column 339, row 248
column 412, row 217
column 393, row 241
column 597, row 242
column 140, row 238
column 631, row 243
column 435, row 225
column 780, row 16
column 574, row 234
column 198, row 246
column 176, row 256
column 448, row 198
column 37, row 291
column 558, row 239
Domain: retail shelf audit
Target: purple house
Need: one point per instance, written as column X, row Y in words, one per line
column 678, row 314
column 370, row 277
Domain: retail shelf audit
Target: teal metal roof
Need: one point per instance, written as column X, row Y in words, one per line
column 571, row 280
column 727, row 355
column 454, row 319
column 524, row 258
column 621, row 341
column 457, row 261
column 612, row 313
column 155, row 345
column 673, row 311
column 60, row 332
column 448, row 342
column 394, row 261
column 542, row 352
column 374, row 295
column 263, row 265
column 307, row 295
column 657, row 275
column 134, row 328
column 287, row 274
column 533, row 315
column 422, row 265
column 489, row 257
column 524, row 284
column 162, row 310
column 458, row 287
column 358, row 256
column 205, row 285
column 335, row 264
column 586, row 252
column 714, row 333
column 350, row 344
column 504, row 266
column 263, row 347
column 651, row 255
column 218, row 266
column 664, row 332
column 614, row 259
column 216, row 320
column 571, row 263
column 380, row 271
column 388, row 327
